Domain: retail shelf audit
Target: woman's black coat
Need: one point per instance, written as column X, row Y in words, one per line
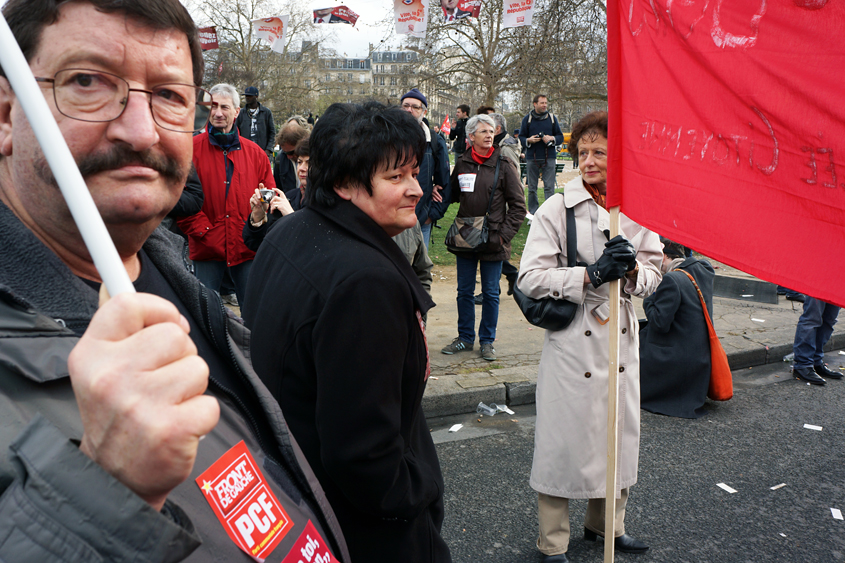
column 675, row 344
column 337, row 340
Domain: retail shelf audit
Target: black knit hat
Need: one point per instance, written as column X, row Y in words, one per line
column 414, row 93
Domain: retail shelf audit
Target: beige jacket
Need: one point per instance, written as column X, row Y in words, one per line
column 570, row 442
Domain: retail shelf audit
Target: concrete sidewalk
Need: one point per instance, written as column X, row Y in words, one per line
column 752, row 334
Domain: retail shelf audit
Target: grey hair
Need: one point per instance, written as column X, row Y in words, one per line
column 301, row 121
column 472, row 124
column 500, row 121
column 227, row 91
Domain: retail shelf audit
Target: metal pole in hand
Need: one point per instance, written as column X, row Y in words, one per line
column 612, row 408
column 76, row 194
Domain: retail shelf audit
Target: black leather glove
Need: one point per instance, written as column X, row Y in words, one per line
column 622, row 250
column 606, row 269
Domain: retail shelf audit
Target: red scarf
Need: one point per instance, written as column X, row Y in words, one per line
column 595, row 194
column 480, row 158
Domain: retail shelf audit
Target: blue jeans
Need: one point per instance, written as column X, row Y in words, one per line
column 426, row 232
column 814, row 329
column 533, row 168
column 490, row 274
column 210, row 273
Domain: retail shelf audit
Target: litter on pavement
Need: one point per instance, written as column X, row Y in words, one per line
column 726, row 488
column 776, row 487
column 456, row 427
column 837, row 514
column 501, row 408
column 484, row 409
column 757, row 320
column 812, row 427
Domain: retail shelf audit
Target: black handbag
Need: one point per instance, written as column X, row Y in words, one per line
column 470, row 234
column 552, row 314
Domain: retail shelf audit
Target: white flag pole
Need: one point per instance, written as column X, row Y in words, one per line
column 612, row 408
column 64, row 168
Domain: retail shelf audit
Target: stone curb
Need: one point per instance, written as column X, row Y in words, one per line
column 450, row 395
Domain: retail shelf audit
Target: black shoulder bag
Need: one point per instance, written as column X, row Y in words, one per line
column 552, row 314
column 470, row 234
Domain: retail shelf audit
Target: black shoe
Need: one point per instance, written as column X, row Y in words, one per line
column 511, row 282
column 795, row 297
column 479, row 298
column 808, row 375
column 825, row 371
column 556, row 558
column 624, row 543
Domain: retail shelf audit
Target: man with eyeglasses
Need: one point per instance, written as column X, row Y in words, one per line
column 136, row 430
column 230, row 168
column 434, row 167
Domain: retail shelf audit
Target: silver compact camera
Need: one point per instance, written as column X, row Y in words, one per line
column 267, row 195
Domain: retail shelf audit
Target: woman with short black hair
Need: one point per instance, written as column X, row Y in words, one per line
column 338, row 337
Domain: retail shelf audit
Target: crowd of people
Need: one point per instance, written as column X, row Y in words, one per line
column 159, row 426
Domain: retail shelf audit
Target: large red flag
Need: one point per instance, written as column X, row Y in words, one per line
column 446, row 128
column 727, row 131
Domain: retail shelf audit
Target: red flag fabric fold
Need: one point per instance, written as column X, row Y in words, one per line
column 727, row 132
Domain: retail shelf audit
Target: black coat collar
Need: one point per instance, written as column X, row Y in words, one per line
column 359, row 225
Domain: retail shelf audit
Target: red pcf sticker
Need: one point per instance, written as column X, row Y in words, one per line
column 310, row 548
column 249, row 511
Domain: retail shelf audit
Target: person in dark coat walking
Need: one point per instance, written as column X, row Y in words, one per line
column 338, row 337
column 255, row 122
column 675, row 343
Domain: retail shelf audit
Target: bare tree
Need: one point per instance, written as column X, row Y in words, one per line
column 284, row 79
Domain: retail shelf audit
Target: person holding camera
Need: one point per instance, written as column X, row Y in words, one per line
column 230, row 168
column 539, row 133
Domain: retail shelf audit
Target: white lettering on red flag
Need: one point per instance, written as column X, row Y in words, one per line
column 208, row 38
column 727, row 132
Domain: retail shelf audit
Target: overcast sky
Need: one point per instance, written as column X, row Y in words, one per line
column 353, row 42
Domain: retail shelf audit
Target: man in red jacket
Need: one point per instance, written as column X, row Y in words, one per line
column 230, row 168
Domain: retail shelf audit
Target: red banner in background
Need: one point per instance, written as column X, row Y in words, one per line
column 338, row 14
column 208, row 38
column 446, row 128
column 727, row 132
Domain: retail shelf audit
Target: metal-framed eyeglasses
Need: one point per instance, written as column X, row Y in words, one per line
column 407, row 106
column 99, row 97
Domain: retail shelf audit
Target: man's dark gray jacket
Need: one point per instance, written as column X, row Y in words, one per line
column 58, row 505
column 266, row 131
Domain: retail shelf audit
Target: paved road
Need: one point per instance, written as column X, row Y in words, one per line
column 753, row 442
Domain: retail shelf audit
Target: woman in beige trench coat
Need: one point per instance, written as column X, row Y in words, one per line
column 570, row 444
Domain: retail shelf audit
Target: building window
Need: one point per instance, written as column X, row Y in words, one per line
column 393, row 69
column 393, row 81
column 328, row 77
column 381, row 82
column 308, row 84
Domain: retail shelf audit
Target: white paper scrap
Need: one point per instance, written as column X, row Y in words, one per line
column 456, row 427
column 757, row 320
column 504, row 408
column 748, row 295
column 842, row 353
column 782, row 535
column 725, row 488
column 837, row 514
column 434, row 377
column 776, row 487
column 812, row 427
